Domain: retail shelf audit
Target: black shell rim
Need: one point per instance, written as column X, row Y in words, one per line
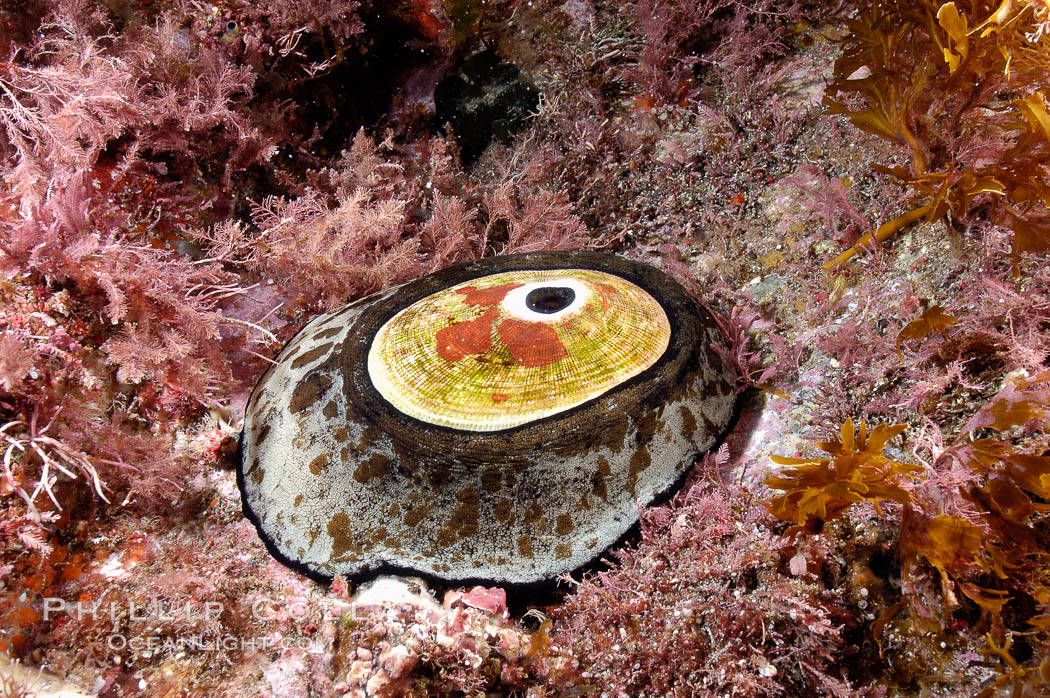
column 685, row 316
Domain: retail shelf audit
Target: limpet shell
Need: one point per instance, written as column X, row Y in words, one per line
column 495, row 422
column 510, row 348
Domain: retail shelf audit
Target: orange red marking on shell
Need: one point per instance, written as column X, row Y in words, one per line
column 486, row 296
column 531, row 344
column 466, row 338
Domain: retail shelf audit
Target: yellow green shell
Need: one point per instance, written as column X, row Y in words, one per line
column 475, row 356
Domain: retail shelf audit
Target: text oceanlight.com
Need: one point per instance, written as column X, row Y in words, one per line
column 206, row 643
